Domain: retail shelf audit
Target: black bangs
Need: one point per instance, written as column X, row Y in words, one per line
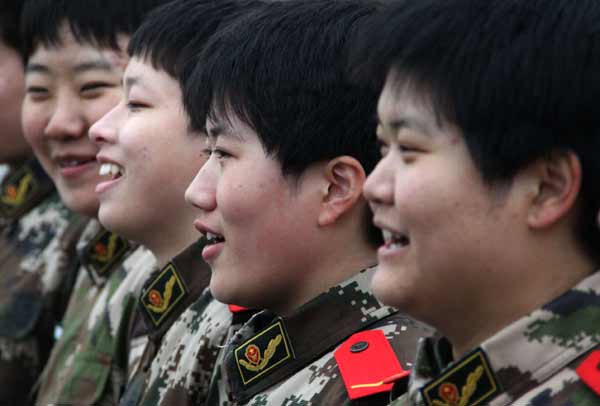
column 98, row 22
column 174, row 34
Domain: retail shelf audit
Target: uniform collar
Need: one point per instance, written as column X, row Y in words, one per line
column 171, row 290
column 270, row 348
column 22, row 189
column 101, row 251
column 518, row 357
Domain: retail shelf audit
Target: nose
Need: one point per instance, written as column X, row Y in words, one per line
column 201, row 193
column 104, row 131
column 67, row 119
column 379, row 187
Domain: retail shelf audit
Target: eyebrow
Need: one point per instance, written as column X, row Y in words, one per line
column 36, row 68
column 220, row 130
column 407, row 122
column 98, row 64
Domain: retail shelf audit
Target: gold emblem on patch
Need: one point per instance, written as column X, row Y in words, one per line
column 253, row 362
column 256, row 362
column 163, row 294
column 17, row 190
column 105, row 250
column 473, row 375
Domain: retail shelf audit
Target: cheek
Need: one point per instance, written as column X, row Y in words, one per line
column 34, row 121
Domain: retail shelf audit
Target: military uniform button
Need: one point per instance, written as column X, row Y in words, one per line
column 359, row 346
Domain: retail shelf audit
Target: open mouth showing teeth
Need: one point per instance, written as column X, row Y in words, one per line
column 214, row 238
column 395, row 240
column 114, row 171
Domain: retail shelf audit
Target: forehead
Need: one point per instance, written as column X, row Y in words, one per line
column 398, row 102
column 229, row 125
column 70, row 54
column 140, row 73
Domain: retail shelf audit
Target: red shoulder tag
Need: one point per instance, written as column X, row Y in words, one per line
column 237, row 309
column 589, row 371
column 368, row 364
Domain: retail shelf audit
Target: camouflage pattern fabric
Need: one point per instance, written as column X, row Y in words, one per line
column 532, row 362
column 179, row 358
column 308, row 373
column 37, row 268
column 89, row 363
column 181, row 371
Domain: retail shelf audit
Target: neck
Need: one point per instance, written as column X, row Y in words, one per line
column 532, row 287
column 169, row 240
column 337, row 261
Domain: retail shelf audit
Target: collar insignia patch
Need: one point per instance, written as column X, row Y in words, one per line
column 17, row 190
column 104, row 251
column 261, row 354
column 470, row 382
column 163, row 294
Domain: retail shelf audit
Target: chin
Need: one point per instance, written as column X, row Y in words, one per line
column 113, row 224
column 224, row 292
column 385, row 289
column 85, row 207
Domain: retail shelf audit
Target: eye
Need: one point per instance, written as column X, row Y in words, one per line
column 92, row 90
column 406, row 149
column 91, row 86
column 37, row 92
column 217, row 152
column 134, row 106
column 220, row 154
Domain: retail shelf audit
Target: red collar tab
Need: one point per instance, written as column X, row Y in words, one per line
column 237, row 309
column 368, row 364
column 589, row 371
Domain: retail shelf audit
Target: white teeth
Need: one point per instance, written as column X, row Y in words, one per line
column 387, row 236
column 214, row 238
column 393, row 239
column 110, row 169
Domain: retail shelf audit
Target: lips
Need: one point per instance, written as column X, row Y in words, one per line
column 72, row 165
column 215, row 242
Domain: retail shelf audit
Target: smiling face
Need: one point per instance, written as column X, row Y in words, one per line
column 264, row 224
column 68, row 88
column 14, row 146
column 445, row 230
column 147, row 156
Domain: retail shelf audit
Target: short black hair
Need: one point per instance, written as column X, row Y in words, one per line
column 174, row 34
column 520, row 79
column 10, row 12
column 284, row 71
column 98, row 22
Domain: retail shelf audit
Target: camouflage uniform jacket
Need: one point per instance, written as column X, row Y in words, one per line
column 542, row 359
column 37, row 269
column 306, row 358
column 185, row 327
column 89, row 363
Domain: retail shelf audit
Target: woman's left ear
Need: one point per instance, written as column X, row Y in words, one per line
column 558, row 183
column 345, row 178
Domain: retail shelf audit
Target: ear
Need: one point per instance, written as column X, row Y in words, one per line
column 345, row 178
column 558, row 181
